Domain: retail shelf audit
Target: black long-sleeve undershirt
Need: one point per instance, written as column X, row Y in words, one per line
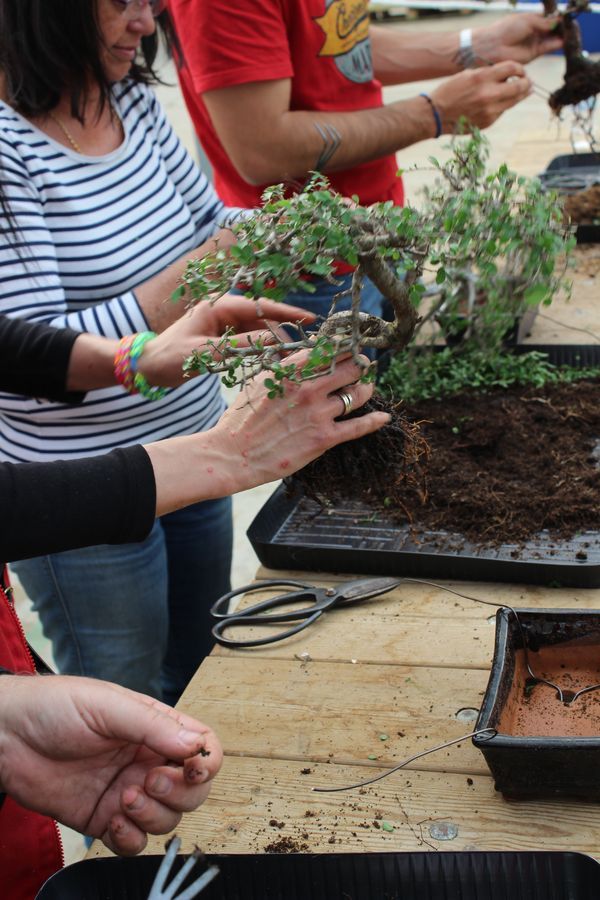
column 66, row 504
column 34, row 359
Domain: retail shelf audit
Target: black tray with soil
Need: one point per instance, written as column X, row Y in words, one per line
column 548, row 726
column 360, row 876
column 296, row 533
column 513, row 494
column 577, row 177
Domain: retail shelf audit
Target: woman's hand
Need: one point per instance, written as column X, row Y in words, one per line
column 162, row 359
column 102, row 759
column 270, row 438
column 261, row 439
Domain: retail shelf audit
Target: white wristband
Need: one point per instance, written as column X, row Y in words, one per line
column 466, row 57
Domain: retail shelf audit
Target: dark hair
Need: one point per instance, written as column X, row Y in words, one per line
column 48, row 47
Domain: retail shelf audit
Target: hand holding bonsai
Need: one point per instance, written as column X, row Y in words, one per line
column 582, row 76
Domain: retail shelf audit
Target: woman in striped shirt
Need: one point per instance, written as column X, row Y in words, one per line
column 104, row 209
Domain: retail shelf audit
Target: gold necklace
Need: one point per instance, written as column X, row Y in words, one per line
column 70, row 137
column 66, row 132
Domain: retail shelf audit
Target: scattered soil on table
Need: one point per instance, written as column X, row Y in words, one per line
column 501, row 467
column 583, row 208
column 286, row 845
column 534, row 710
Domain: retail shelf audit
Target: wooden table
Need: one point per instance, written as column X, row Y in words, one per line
column 362, row 689
column 356, row 693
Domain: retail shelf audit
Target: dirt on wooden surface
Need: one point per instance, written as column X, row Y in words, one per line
column 502, row 466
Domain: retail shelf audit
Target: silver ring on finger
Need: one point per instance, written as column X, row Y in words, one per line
column 347, row 400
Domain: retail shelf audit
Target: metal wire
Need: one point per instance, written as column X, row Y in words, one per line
column 566, row 697
column 491, row 732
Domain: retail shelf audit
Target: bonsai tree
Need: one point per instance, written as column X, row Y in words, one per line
column 489, row 243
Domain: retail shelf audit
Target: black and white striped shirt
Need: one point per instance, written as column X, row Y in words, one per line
column 92, row 228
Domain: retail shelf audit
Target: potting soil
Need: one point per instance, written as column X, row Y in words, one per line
column 503, row 466
column 536, row 711
column 583, row 207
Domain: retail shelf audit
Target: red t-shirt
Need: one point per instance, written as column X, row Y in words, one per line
column 323, row 46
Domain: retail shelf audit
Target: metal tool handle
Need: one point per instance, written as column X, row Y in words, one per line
column 219, row 609
column 240, row 621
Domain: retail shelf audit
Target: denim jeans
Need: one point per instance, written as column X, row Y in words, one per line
column 137, row 614
column 320, row 301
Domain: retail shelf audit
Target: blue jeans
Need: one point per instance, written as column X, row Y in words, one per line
column 137, row 614
column 320, row 301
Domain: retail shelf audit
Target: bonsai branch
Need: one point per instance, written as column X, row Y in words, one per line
column 481, row 236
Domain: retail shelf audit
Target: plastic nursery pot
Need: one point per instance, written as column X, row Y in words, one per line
column 544, row 748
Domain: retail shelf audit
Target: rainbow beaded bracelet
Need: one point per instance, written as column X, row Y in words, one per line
column 126, row 366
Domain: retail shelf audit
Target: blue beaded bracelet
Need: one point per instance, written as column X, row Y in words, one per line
column 436, row 115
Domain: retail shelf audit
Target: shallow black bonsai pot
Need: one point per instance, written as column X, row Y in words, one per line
column 543, row 748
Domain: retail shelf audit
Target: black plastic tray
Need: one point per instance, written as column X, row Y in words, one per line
column 292, row 532
column 349, row 876
column 570, row 173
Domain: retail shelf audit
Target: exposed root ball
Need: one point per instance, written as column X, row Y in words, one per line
column 385, row 470
column 580, row 84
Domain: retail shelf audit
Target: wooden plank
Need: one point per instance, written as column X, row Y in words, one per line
column 251, row 793
column 435, row 601
column 575, row 320
column 325, row 711
column 380, row 637
column 412, row 625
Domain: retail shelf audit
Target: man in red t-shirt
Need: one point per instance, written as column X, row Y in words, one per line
column 274, row 87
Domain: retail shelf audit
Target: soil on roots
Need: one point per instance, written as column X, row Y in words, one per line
column 501, row 467
column 385, row 470
column 580, row 84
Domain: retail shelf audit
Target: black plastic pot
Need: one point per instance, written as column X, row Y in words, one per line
column 570, row 173
column 528, row 767
column 359, row 876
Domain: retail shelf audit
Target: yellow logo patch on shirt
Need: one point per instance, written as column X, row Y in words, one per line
column 346, row 24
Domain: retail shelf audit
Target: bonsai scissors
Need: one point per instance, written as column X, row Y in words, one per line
column 265, row 612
